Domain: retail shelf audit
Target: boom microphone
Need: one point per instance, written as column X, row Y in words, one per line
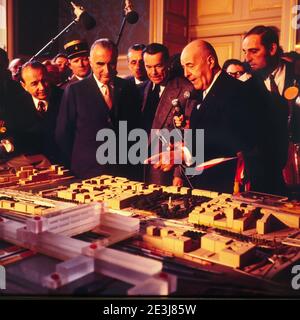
column 87, row 20
column 131, row 16
column 83, row 17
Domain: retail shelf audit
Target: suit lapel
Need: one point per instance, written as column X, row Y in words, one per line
column 146, row 94
column 165, row 105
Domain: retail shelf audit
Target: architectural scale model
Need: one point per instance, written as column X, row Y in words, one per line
column 29, row 175
column 255, row 234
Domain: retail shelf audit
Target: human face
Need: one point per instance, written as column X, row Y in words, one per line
column 198, row 68
column 35, row 82
column 80, row 66
column 156, row 67
column 235, row 70
column 104, row 64
column 62, row 64
column 255, row 53
column 136, row 64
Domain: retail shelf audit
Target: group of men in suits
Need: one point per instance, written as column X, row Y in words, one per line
column 237, row 118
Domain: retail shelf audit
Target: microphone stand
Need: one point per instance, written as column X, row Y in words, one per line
column 121, row 31
column 66, row 29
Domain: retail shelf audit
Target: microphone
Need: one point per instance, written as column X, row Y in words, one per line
column 83, row 17
column 87, row 20
column 178, row 112
column 131, row 16
column 192, row 95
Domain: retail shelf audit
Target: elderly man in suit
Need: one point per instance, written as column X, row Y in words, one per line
column 222, row 110
column 157, row 110
column 99, row 101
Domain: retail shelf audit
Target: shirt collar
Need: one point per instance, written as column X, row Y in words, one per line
column 161, row 88
column 100, row 84
column 205, row 92
column 137, row 81
column 36, row 102
column 279, row 78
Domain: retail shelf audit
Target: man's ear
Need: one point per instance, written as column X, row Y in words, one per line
column 273, row 49
column 23, row 84
column 211, row 61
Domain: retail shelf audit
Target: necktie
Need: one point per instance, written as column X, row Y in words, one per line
column 41, row 107
column 107, row 96
column 273, row 85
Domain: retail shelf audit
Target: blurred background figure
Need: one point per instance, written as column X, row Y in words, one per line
column 14, row 67
column 136, row 63
column 62, row 62
column 53, row 73
column 175, row 66
column 234, row 68
column 78, row 55
column 137, row 69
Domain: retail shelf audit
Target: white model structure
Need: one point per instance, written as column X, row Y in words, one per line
column 50, row 235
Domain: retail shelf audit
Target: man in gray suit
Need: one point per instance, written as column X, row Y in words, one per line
column 158, row 111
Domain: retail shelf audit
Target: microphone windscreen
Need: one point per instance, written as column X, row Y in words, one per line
column 87, row 21
column 192, row 95
column 132, row 17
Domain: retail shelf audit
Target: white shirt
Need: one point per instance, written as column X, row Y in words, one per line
column 137, row 81
column 279, row 77
column 102, row 86
column 161, row 88
column 36, row 103
column 205, row 92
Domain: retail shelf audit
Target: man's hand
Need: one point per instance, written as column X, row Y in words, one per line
column 77, row 10
column 179, row 121
column 177, row 182
column 167, row 159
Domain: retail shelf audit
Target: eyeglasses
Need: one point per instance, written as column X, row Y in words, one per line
column 236, row 74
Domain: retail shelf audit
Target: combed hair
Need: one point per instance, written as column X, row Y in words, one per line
column 107, row 44
column 154, row 48
column 137, row 47
column 269, row 35
column 33, row 65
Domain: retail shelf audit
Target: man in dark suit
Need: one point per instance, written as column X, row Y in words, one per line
column 11, row 94
column 37, row 117
column 97, row 102
column 157, row 110
column 221, row 109
column 222, row 114
column 272, row 76
column 137, row 68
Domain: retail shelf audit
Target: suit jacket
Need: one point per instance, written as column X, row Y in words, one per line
column 11, row 101
column 224, row 116
column 292, row 79
column 35, row 133
column 163, row 118
column 140, row 88
column 82, row 114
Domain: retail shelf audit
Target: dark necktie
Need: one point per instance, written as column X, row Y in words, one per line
column 150, row 108
column 41, row 107
column 273, row 85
